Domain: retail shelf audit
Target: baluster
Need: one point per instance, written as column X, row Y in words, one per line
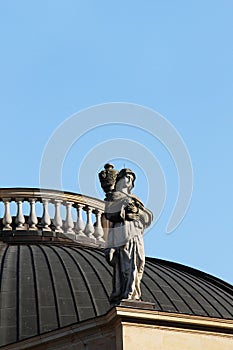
column 57, row 217
column 32, row 220
column 20, row 219
column 7, row 219
column 79, row 227
column 45, row 220
column 99, row 232
column 69, row 224
column 89, row 229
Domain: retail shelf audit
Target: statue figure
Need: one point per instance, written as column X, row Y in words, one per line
column 127, row 218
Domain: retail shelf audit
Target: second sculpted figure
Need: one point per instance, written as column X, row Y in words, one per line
column 127, row 219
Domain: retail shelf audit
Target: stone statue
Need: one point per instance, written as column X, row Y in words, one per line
column 127, row 218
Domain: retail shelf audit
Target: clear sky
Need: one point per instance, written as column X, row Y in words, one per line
column 176, row 57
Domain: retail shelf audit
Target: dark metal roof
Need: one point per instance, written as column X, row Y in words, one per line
column 47, row 286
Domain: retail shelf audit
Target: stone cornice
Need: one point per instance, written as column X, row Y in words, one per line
column 120, row 315
column 207, row 324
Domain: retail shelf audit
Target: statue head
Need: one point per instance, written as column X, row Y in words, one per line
column 125, row 180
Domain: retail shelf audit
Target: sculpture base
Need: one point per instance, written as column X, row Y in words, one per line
column 137, row 304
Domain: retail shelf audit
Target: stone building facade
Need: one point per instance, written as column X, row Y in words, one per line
column 55, row 284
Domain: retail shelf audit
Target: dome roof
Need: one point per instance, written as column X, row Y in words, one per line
column 45, row 286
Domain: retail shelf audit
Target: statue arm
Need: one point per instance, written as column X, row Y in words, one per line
column 115, row 210
column 145, row 216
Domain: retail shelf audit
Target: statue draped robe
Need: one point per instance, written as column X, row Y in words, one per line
column 124, row 246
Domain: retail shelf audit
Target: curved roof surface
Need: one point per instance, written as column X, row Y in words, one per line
column 48, row 286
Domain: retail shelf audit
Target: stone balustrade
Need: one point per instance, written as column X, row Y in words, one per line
column 51, row 212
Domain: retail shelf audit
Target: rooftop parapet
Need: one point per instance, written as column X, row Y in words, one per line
column 50, row 215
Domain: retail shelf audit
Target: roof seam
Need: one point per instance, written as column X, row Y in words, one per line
column 69, row 283
column 53, row 286
column 35, row 289
column 180, row 296
column 148, row 289
column 208, row 285
column 163, row 292
column 84, row 279
column 105, row 290
column 204, row 275
column 2, row 264
column 199, row 292
column 17, row 292
column 187, row 292
column 106, row 266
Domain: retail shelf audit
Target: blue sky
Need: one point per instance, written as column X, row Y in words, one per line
column 176, row 57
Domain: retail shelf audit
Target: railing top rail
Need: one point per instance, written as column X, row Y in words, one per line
column 40, row 194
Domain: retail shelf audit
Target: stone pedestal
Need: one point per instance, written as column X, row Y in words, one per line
column 137, row 304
